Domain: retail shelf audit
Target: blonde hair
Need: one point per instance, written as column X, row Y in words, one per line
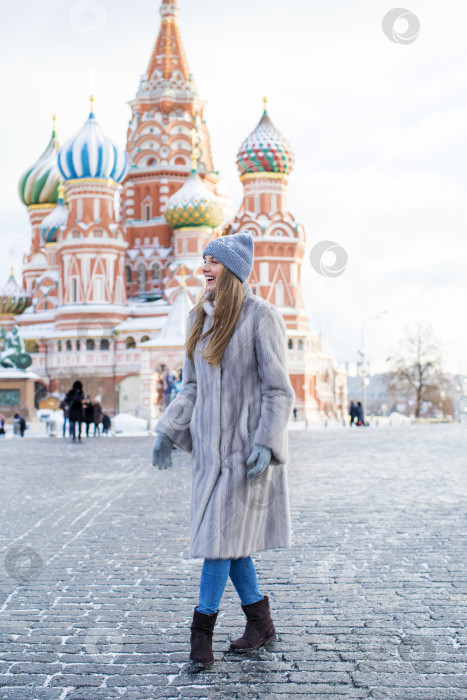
column 229, row 300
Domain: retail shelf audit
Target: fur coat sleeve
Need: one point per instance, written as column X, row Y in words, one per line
column 176, row 419
column 277, row 393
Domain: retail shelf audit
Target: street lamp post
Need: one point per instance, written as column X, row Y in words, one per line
column 461, row 389
column 364, row 370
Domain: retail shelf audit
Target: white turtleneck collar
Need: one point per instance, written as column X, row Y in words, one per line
column 209, row 304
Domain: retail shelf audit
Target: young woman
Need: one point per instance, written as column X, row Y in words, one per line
column 232, row 414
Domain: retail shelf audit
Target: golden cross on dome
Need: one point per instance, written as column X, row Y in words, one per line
column 265, row 100
column 11, row 255
column 182, row 275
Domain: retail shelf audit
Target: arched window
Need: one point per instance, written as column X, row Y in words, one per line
column 156, row 272
column 144, row 338
column 68, row 345
column 300, row 344
column 146, row 208
column 104, row 344
column 179, row 161
column 97, row 210
column 290, row 344
column 141, row 276
column 130, row 343
column 90, row 345
column 78, row 344
column 128, row 274
column 151, row 161
column 59, row 346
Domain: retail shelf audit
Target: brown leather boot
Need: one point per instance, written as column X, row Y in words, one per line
column 202, row 627
column 259, row 628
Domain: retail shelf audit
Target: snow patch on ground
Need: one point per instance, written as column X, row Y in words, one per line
column 128, row 424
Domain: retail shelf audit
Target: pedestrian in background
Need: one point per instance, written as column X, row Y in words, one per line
column 232, row 414
column 88, row 413
column 66, row 415
column 97, row 415
column 105, row 424
column 353, row 413
column 21, row 423
column 177, row 386
column 169, row 381
column 360, row 415
column 2, row 425
column 74, row 399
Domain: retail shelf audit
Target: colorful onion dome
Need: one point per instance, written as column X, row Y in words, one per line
column 55, row 220
column 13, row 299
column 39, row 184
column 91, row 154
column 193, row 205
column 265, row 150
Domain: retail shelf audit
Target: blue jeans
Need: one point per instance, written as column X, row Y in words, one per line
column 214, row 577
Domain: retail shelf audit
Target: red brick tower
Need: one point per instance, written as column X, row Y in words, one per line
column 265, row 160
column 165, row 110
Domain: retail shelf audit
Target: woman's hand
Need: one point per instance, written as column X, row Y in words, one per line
column 162, row 451
column 263, row 455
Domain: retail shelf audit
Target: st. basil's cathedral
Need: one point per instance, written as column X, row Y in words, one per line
column 117, row 239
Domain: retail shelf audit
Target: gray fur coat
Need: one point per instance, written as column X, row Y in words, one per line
column 218, row 415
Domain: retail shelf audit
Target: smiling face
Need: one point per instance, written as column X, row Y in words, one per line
column 212, row 270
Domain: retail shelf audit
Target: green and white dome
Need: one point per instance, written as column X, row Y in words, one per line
column 39, row 184
column 193, row 205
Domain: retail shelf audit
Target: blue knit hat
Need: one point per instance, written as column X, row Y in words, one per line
column 235, row 252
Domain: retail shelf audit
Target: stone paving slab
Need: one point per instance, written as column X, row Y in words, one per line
column 97, row 588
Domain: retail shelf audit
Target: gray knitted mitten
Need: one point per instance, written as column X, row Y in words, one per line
column 263, row 455
column 162, row 451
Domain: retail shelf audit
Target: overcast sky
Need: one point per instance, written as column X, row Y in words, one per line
column 379, row 131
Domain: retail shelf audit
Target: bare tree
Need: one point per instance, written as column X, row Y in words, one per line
column 415, row 369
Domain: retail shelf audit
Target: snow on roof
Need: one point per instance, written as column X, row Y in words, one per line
column 150, row 323
column 36, row 331
column 173, row 331
column 11, row 373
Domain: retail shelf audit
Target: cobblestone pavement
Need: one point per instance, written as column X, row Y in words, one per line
column 97, row 588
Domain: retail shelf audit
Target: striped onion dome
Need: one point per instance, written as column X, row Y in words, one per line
column 91, row 154
column 265, row 150
column 39, row 184
column 193, row 205
column 55, row 220
column 13, row 299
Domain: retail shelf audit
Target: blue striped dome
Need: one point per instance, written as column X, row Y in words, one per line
column 56, row 219
column 91, row 154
